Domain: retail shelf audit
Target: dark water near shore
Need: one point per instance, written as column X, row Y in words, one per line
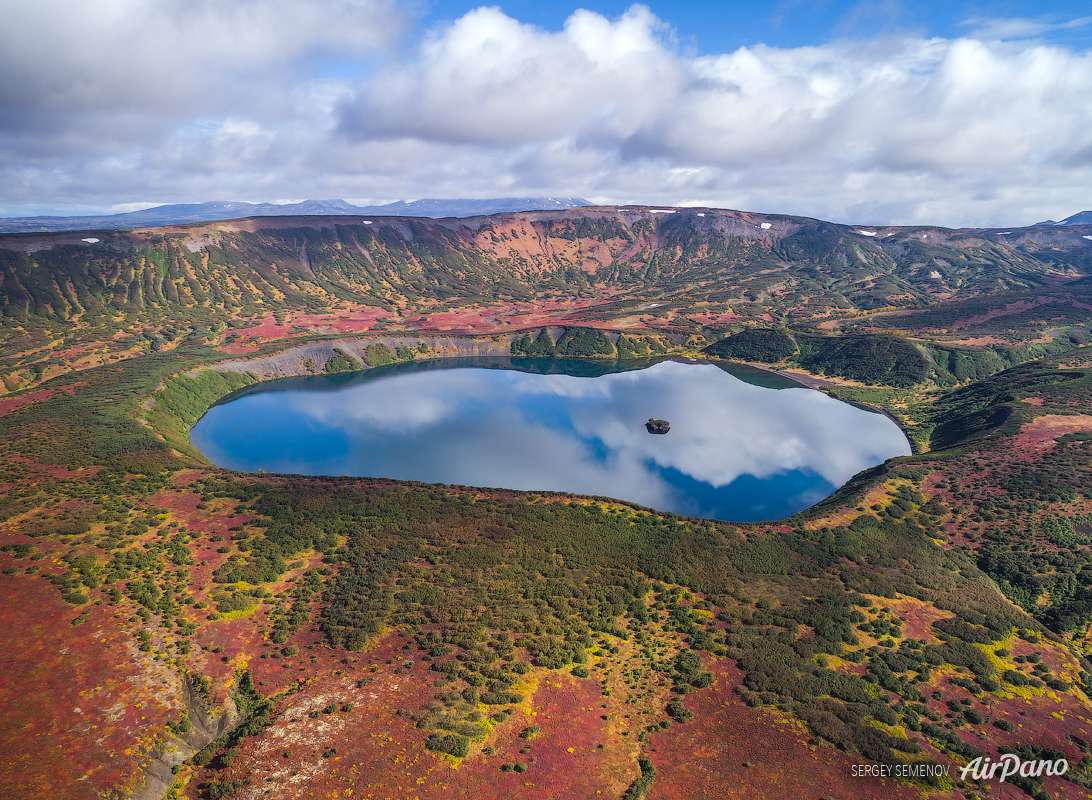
column 744, row 444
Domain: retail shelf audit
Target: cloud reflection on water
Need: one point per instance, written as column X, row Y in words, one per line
column 504, row 428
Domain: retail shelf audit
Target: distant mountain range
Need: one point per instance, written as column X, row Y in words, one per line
column 1080, row 218
column 210, row 212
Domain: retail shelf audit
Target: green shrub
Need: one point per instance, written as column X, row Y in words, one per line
column 872, row 358
column 632, row 347
column 639, row 788
column 501, row 698
column 1015, row 678
column 452, row 744
column 181, row 727
column 679, row 712
column 340, row 363
column 541, row 345
column 764, row 345
column 584, row 343
column 378, row 354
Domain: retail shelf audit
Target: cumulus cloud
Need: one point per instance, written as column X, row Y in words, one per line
column 848, row 125
column 489, row 79
column 202, row 100
column 140, row 55
column 128, row 81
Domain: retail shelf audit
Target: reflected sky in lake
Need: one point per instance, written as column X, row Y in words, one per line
column 736, row 450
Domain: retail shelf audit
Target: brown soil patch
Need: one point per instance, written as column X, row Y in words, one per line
column 973, row 340
column 1040, row 433
column 918, row 617
column 74, row 705
column 237, row 349
column 808, row 379
column 374, row 750
column 12, row 403
column 730, row 751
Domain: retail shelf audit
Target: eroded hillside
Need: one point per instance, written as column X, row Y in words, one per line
column 69, row 300
column 176, row 629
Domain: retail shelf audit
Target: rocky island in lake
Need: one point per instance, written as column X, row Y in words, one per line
column 658, row 426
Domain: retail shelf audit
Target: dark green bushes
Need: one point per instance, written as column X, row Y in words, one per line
column 1015, row 678
column 876, row 359
column 340, row 363
column 813, row 241
column 584, row 343
column 765, row 345
column 633, row 347
column 679, row 712
column 574, row 343
column 965, row 364
column 377, row 355
column 540, row 345
column 503, row 698
column 639, row 788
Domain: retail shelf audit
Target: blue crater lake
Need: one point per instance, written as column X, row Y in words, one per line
column 744, row 444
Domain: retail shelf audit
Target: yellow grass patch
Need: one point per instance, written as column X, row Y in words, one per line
column 243, row 612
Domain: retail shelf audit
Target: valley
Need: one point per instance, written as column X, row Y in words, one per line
column 179, row 630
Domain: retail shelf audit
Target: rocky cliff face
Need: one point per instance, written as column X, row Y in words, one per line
column 660, row 426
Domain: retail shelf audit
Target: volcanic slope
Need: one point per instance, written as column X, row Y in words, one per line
column 176, row 629
column 692, row 271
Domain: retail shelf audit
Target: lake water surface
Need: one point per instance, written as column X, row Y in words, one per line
column 744, row 444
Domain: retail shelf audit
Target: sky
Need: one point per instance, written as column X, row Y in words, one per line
column 871, row 112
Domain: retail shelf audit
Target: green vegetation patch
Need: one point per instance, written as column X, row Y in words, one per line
column 340, row 363
column 378, row 355
column 764, row 345
column 574, row 343
column 877, row 359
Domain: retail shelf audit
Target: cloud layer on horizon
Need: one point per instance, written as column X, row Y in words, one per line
column 131, row 100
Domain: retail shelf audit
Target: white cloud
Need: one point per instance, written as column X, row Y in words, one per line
column 117, row 55
column 1020, row 27
column 489, row 79
column 140, row 101
column 85, row 81
column 612, row 110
